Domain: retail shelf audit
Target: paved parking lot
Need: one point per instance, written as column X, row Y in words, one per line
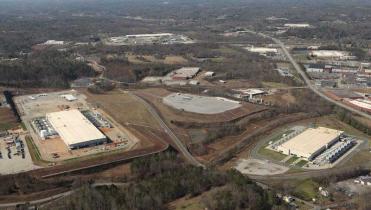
column 200, row 104
column 16, row 163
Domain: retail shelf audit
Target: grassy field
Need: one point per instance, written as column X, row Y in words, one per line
column 271, row 154
column 34, row 152
column 7, row 119
column 124, row 108
column 292, row 159
column 301, row 163
column 274, row 85
column 306, row 189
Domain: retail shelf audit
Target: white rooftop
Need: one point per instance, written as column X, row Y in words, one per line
column 363, row 103
column 74, row 127
column 69, row 97
column 186, row 72
column 310, row 141
column 250, row 91
column 150, row 35
column 329, row 53
column 297, row 25
column 53, row 42
column 262, row 49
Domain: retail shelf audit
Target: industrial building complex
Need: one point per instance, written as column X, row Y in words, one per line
column 320, row 146
column 310, row 142
column 63, row 125
column 75, row 129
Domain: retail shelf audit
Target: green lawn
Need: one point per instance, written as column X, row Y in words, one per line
column 271, row 154
column 306, row 189
column 292, row 159
column 34, row 152
column 301, row 163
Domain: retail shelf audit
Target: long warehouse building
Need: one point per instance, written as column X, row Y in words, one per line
column 75, row 129
column 311, row 142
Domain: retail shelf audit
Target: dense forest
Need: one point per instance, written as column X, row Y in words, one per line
column 50, row 68
column 163, row 178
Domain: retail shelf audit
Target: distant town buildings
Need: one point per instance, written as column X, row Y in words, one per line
column 297, row 25
column 184, row 73
column 265, row 51
column 180, row 76
column 145, row 39
column 54, row 42
column 331, row 54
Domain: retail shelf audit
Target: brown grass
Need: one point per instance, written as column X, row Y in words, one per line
column 123, row 108
column 7, row 119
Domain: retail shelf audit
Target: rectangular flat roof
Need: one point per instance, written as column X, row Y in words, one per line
column 311, row 140
column 74, row 127
column 186, row 72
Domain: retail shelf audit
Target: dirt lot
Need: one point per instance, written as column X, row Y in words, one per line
column 281, row 97
column 259, row 167
column 7, row 119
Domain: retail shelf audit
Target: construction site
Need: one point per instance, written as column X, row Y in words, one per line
column 64, row 126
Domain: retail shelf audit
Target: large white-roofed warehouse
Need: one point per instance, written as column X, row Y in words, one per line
column 311, row 142
column 75, row 129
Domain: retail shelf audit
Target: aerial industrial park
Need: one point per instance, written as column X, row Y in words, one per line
column 183, row 105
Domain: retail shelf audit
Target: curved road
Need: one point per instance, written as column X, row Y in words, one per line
column 306, row 78
column 175, row 139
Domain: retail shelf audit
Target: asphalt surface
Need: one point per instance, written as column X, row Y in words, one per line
column 307, row 80
column 182, row 149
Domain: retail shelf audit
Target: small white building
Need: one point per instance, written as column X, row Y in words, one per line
column 194, row 82
column 209, row 74
column 288, row 199
column 184, row 73
column 250, row 93
column 297, row 25
column 53, row 42
column 69, row 97
column 331, row 54
column 265, row 51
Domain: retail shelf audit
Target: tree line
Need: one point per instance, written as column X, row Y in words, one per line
column 50, row 68
column 163, row 178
